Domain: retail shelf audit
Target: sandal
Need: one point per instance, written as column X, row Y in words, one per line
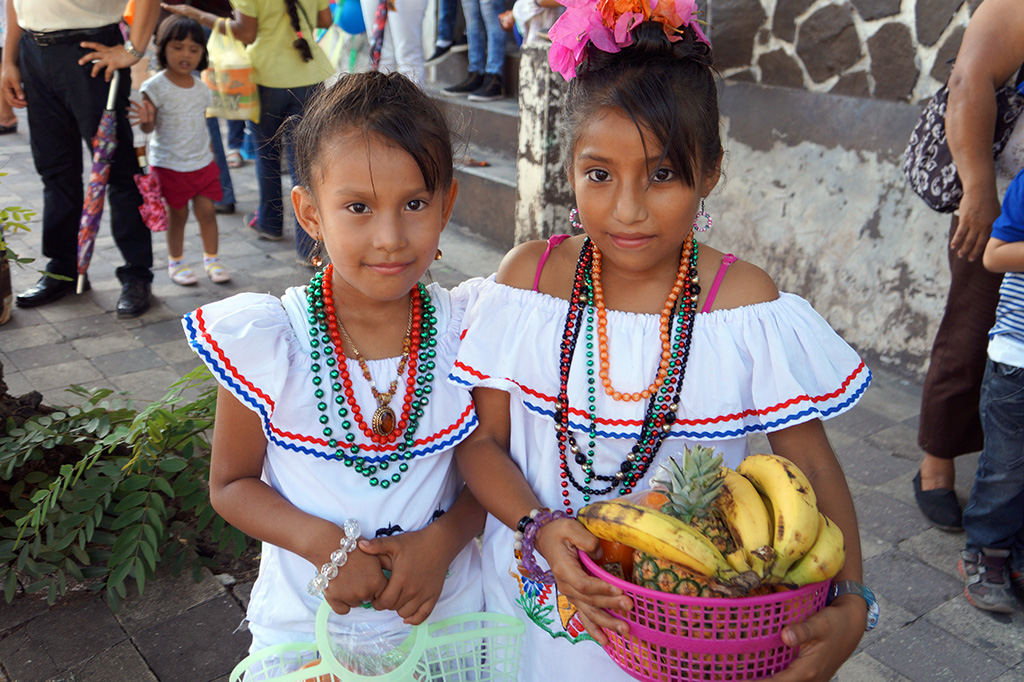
column 217, row 272
column 235, row 159
column 182, row 274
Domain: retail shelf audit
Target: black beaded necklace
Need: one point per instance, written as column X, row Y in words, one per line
column 661, row 407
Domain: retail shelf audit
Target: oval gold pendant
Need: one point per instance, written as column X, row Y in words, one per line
column 383, row 421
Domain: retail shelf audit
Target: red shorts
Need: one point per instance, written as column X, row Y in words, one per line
column 178, row 187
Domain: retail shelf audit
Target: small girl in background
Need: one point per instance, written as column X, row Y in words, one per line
column 334, row 436
column 174, row 103
column 593, row 358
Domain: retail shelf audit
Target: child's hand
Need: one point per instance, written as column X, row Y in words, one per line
column 358, row 582
column 507, row 20
column 417, row 570
column 559, row 541
column 141, row 113
column 826, row 640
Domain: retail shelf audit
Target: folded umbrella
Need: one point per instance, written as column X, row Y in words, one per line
column 103, row 146
column 380, row 19
column 153, row 210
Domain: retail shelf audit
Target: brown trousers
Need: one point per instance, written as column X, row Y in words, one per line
column 949, row 424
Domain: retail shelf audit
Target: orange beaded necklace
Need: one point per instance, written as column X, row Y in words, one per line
column 666, row 316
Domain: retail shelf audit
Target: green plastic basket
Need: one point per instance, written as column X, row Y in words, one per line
column 474, row 647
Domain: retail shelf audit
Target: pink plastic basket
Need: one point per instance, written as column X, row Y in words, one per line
column 674, row 638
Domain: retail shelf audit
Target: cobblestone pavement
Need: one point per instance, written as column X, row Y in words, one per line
column 184, row 631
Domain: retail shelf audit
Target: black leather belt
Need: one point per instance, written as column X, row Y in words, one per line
column 76, row 35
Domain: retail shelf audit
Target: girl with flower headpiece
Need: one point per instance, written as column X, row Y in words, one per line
column 594, row 357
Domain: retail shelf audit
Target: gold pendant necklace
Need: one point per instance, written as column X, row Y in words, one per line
column 383, row 421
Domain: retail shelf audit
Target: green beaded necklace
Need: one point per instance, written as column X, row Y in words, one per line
column 323, row 346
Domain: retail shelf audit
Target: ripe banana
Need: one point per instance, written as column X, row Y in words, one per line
column 792, row 505
column 823, row 560
column 658, row 534
column 743, row 511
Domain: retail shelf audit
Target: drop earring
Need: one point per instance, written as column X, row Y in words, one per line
column 316, row 257
column 702, row 221
column 574, row 219
column 437, row 256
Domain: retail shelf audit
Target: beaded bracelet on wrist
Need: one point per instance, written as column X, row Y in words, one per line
column 339, row 557
column 526, row 539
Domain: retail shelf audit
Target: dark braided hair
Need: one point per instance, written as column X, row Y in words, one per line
column 300, row 44
column 667, row 88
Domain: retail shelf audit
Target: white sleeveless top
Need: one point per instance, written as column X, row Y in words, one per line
column 757, row 368
column 257, row 347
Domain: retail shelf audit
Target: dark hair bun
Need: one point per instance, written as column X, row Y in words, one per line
column 651, row 43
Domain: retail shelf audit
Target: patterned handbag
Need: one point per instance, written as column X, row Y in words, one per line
column 928, row 163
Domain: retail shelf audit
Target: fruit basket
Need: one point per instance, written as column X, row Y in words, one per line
column 674, row 638
column 477, row 647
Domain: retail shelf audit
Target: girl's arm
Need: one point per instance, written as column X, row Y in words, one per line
column 249, row 504
column 324, row 18
column 497, row 482
column 1003, row 256
column 829, row 637
column 419, row 560
column 242, row 26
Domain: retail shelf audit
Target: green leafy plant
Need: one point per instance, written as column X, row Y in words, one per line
column 99, row 492
column 13, row 219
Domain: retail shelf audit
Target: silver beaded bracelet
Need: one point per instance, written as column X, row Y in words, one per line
column 339, row 556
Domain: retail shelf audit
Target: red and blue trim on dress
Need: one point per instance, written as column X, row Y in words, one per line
column 233, row 380
column 793, row 410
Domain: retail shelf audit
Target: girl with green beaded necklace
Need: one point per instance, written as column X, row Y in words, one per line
column 334, row 436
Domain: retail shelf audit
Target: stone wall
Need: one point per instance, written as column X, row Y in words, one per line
column 886, row 49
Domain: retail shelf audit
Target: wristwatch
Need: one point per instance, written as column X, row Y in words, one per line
column 840, row 587
column 130, row 49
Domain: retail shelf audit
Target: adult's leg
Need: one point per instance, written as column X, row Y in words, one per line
column 407, row 33
column 446, row 14
column 476, row 35
column 949, row 422
column 57, row 153
column 489, row 10
column 236, row 134
column 213, row 128
column 273, row 105
column 295, row 107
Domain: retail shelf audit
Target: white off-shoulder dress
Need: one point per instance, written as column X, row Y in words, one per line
column 258, row 348
column 758, row 368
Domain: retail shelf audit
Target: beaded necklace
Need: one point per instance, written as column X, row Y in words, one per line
column 663, row 402
column 325, row 344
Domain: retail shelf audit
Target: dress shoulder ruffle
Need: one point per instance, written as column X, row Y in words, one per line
column 760, row 367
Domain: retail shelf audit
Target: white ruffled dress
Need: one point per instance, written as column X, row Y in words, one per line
column 758, row 368
column 257, row 346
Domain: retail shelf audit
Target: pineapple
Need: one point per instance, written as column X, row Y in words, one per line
column 691, row 490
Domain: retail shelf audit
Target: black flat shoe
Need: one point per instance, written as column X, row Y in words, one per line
column 47, row 290
column 7, row 130
column 939, row 506
column 134, row 300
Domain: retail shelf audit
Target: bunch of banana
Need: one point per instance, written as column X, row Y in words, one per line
column 724, row 532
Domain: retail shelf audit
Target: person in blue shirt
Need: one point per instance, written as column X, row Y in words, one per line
column 992, row 563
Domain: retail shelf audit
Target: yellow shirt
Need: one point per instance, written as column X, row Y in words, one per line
column 277, row 64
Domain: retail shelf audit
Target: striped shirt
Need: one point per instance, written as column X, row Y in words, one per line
column 1006, row 338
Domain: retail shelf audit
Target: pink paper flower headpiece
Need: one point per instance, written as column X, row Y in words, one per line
column 608, row 24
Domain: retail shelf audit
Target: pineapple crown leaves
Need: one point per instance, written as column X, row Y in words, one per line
column 693, row 486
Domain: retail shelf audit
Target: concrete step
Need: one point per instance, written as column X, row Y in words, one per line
column 489, row 135
column 487, row 196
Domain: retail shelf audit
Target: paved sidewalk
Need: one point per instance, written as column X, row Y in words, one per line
column 182, row 631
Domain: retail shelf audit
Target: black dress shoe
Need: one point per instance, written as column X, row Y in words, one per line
column 134, row 300
column 224, row 209
column 939, row 506
column 47, row 290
